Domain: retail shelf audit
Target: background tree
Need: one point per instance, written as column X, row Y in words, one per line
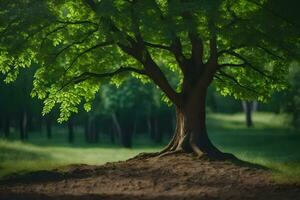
column 80, row 45
column 291, row 98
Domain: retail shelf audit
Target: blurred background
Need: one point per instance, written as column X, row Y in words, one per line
column 131, row 119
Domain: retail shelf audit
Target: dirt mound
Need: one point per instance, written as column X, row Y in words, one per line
column 178, row 176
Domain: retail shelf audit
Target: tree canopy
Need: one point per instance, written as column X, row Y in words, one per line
column 244, row 46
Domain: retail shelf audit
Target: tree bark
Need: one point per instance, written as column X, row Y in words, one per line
column 23, row 126
column 7, row 127
column 248, row 108
column 190, row 132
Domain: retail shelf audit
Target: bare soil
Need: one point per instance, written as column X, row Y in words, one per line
column 179, row 176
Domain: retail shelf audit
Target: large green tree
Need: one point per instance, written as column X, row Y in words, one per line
column 241, row 45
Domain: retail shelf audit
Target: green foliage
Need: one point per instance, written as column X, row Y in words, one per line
column 66, row 39
column 292, row 95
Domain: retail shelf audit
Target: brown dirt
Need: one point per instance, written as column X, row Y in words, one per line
column 173, row 177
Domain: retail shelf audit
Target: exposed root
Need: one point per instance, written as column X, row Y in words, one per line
column 216, row 156
column 196, row 150
column 168, row 153
column 143, row 156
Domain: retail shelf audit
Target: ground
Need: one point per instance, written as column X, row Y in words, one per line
column 178, row 176
column 269, row 143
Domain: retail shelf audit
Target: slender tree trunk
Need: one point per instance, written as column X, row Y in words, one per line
column 126, row 136
column 149, row 127
column 116, row 124
column 248, row 108
column 96, row 130
column 87, row 129
column 30, row 124
column 23, row 126
column 7, row 127
column 1, row 125
column 112, row 134
column 157, row 130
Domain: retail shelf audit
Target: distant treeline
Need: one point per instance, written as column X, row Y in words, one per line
column 120, row 113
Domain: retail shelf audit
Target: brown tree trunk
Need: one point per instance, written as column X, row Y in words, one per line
column 248, row 107
column 191, row 133
column 23, row 126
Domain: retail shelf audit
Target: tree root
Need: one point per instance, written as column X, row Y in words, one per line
column 168, row 153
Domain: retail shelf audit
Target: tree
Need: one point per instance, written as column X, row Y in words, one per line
column 291, row 98
column 249, row 107
column 240, row 45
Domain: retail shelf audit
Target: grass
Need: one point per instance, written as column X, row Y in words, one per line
column 270, row 143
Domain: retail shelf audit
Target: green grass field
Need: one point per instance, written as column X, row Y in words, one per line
column 270, row 143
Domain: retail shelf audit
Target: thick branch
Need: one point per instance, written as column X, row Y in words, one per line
column 176, row 49
column 137, row 50
column 160, row 80
column 213, row 59
column 197, row 49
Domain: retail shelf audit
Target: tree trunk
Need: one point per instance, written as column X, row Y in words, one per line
column 157, row 130
column 248, row 108
column 190, row 132
column 96, row 130
column 7, row 127
column 91, row 132
column 23, row 126
column 126, row 135
column 116, row 124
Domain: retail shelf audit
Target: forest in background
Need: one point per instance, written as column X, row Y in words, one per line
column 120, row 113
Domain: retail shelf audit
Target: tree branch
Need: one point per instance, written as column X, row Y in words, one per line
column 75, row 43
column 176, row 49
column 222, row 73
column 213, row 59
column 77, row 22
column 103, row 44
column 159, row 46
column 197, row 49
column 137, row 50
column 270, row 52
column 247, row 63
column 86, row 75
column 231, row 65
